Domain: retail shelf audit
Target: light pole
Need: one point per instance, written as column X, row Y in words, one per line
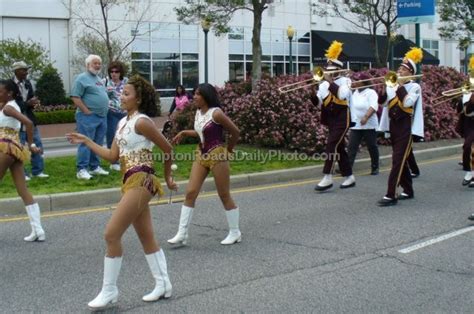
column 206, row 25
column 393, row 41
column 290, row 32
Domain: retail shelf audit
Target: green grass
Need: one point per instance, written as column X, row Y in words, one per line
column 62, row 171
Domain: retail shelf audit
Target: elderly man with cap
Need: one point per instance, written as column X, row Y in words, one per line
column 90, row 97
column 333, row 95
column 27, row 102
column 364, row 105
column 402, row 116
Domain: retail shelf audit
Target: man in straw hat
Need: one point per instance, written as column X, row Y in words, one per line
column 334, row 94
column 402, row 116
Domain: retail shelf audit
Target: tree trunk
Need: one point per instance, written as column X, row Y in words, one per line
column 256, row 43
column 376, row 47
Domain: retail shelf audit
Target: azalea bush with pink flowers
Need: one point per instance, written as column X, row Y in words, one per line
column 271, row 119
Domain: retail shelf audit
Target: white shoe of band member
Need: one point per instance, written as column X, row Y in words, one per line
column 157, row 263
column 234, row 235
column 109, row 293
column 37, row 232
column 327, row 180
column 184, row 222
column 349, row 180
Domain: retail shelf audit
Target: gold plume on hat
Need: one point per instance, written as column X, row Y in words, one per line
column 415, row 54
column 471, row 63
column 334, row 50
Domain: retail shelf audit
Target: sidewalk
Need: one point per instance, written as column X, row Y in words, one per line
column 59, row 130
column 108, row 197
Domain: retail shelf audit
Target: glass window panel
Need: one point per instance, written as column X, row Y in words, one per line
column 266, row 58
column 303, row 39
column 304, row 49
column 247, row 34
column 426, row 44
column 167, row 93
column 166, row 31
column 277, row 36
column 303, row 68
column 166, row 56
column 266, row 48
column 141, row 44
column 248, row 69
column 236, row 47
column 278, row 69
column 189, row 31
column 190, row 56
column 165, row 74
column 248, row 48
column 165, row 45
column 189, row 45
column 236, row 71
column 190, row 74
column 265, row 35
column 140, row 55
column 278, row 48
column 303, row 59
column 236, row 33
column 236, row 57
column 434, row 44
column 267, row 68
column 141, row 68
column 278, row 58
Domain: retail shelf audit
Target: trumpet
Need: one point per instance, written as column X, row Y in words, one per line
column 391, row 79
column 318, row 76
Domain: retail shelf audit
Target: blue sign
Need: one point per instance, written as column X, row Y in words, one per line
column 415, row 11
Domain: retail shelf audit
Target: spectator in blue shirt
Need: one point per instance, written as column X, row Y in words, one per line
column 90, row 97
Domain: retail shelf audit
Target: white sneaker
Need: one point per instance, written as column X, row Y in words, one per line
column 99, row 171
column 83, row 175
column 27, row 178
column 41, row 175
column 115, row 167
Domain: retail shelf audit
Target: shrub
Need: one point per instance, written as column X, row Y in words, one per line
column 50, row 87
column 56, row 117
column 290, row 121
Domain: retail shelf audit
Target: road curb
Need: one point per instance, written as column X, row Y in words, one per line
column 103, row 197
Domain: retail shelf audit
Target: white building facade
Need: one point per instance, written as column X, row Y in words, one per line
column 171, row 53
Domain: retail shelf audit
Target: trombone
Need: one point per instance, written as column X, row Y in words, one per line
column 318, row 76
column 391, row 79
column 466, row 88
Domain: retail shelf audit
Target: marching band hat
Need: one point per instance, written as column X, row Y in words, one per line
column 412, row 57
column 332, row 55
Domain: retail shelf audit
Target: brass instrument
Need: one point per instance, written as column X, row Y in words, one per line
column 466, row 88
column 391, row 79
column 318, row 76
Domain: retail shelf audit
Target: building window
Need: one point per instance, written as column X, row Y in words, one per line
column 432, row 46
column 168, row 56
column 275, row 53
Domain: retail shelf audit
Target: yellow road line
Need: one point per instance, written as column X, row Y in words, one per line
column 204, row 195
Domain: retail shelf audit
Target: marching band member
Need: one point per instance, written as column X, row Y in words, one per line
column 364, row 105
column 402, row 116
column 334, row 94
column 466, row 110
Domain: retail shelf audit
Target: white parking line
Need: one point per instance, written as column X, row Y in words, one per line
column 435, row 240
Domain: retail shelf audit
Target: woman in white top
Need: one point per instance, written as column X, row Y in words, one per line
column 13, row 154
column 211, row 156
column 134, row 139
column 364, row 106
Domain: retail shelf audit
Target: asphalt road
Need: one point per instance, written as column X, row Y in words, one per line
column 301, row 252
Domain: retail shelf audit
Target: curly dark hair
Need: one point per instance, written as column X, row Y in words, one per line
column 117, row 65
column 11, row 86
column 209, row 93
column 146, row 95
